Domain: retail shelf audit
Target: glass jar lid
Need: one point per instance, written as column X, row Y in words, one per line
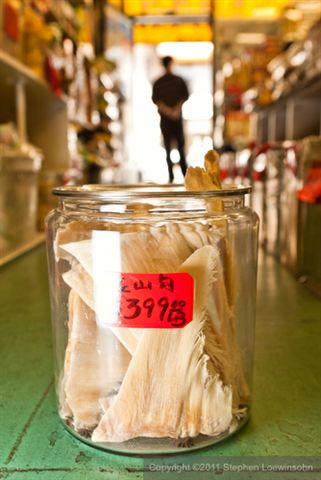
column 124, row 192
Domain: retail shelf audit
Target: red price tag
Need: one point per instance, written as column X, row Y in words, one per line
column 152, row 300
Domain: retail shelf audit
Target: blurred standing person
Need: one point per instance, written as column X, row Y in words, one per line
column 169, row 94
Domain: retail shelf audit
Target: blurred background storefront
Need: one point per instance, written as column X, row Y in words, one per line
column 76, row 83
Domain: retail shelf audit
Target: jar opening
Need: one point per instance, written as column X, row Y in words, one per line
column 126, row 192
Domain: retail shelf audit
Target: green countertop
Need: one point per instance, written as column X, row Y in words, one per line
column 287, row 389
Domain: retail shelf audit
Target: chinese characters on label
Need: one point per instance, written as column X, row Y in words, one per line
column 151, row 300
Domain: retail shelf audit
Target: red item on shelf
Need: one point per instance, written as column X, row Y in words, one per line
column 314, row 174
column 11, row 21
column 52, row 75
column 311, row 192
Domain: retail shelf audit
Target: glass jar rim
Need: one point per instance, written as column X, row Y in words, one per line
column 146, row 190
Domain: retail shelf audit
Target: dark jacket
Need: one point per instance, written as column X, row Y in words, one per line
column 170, row 89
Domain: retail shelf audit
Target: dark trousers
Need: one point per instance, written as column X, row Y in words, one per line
column 172, row 131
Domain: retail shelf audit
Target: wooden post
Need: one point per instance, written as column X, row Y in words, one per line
column 21, row 110
column 99, row 26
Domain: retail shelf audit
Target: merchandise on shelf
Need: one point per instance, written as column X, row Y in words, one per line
column 288, row 68
column 289, row 207
column 257, row 178
column 299, row 62
column 57, row 45
column 35, row 31
column 310, row 170
column 241, row 82
column 313, row 46
column 267, row 177
column 37, row 36
column 19, row 170
column 237, row 127
column 286, row 194
column 309, row 207
column 272, row 199
column 9, row 138
column 11, row 27
column 98, row 123
column 12, row 145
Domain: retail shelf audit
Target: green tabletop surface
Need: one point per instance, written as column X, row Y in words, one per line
column 286, row 411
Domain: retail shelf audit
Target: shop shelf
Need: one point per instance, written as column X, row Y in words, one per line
column 293, row 116
column 12, row 71
column 307, row 89
column 40, row 115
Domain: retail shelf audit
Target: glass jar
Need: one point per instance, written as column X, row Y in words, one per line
column 153, row 309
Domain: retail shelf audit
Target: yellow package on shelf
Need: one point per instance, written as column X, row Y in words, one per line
column 172, row 33
column 177, row 7
column 224, row 9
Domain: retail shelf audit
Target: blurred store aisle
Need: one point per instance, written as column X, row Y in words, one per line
column 146, row 149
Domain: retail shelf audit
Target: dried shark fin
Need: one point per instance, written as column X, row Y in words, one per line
column 206, row 179
column 88, row 273
column 178, row 383
column 221, row 334
column 212, row 167
column 224, row 287
column 88, row 373
column 144, row 251
column 198, row 179
column 78, row 230
column 233, row 373
column 172, row 387
column 82, row 252
column 198, row 234
column 81, row 362
column 81, row 282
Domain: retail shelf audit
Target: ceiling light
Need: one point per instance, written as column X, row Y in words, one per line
column 265, row 12
column 186, row 51
column 248, row 38
column 309, row 6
